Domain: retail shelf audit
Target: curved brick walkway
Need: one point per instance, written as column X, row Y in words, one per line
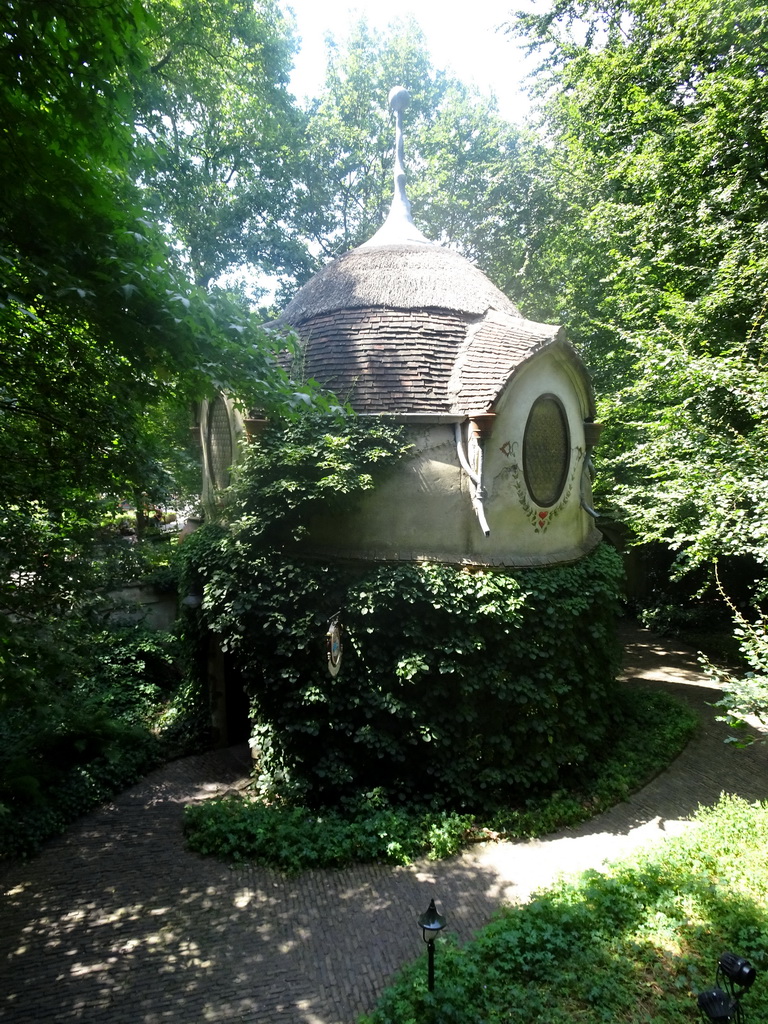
column 117, row 923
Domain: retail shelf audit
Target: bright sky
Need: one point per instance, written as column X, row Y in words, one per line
column 462, row 37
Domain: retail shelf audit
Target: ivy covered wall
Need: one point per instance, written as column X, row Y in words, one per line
column 456, row 686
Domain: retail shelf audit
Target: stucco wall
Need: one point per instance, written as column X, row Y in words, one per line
column 424, row 509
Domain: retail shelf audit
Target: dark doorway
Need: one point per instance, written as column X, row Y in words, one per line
column 236, row 706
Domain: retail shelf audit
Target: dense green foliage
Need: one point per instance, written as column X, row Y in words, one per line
column 646, row 236
column 498, row 682
column 79, row 252
column 104, row 340
column 218, row 140
column 100, row 327
column 110, row 703
column 650, row 730
column 745, row 693
column 636, row 942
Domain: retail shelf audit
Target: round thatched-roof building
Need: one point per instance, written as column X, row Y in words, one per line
column 499, row 409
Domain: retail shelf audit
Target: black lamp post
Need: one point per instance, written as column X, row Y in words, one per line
column 431, row 924
column 718, row 1004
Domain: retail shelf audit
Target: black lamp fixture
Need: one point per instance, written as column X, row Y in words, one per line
column 431, row 924
column 716, row 1005
column 724, row 1003
column 739, row 974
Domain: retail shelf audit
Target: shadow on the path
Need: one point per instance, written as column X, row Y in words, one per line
column 118, row 922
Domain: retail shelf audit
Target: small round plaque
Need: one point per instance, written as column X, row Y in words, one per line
column 333, row 646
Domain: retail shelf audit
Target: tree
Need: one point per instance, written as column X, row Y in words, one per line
column 460, row 154
column 218, row 134
column 99, row 324
column 98, row 318
column 647, row 237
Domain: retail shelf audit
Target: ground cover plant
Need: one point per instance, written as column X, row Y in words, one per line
column 100, row 705
column 633, row 943
column 370, row 828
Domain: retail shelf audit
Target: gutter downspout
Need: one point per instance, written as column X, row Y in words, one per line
column 592, row 433
column 479, row 494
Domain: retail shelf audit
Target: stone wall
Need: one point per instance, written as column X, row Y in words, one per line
column 137, row 602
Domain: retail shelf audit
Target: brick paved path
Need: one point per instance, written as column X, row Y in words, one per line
column 117, row 923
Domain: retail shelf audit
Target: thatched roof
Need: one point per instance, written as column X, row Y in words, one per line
column 405, row 277
column 410, row 327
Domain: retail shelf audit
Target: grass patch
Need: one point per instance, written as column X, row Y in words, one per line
column 634, row 943
column 651, row 729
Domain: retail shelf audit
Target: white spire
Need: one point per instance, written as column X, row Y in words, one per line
column 398, row 228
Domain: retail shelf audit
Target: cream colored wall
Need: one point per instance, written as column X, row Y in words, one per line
column 522, row 532
column 423, row 511
column 418, row 512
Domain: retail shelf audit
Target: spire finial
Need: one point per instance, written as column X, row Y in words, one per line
column 398, row 228
column 399, row 98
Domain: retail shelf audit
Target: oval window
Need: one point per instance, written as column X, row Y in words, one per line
column 220, row 451
column 546, row 450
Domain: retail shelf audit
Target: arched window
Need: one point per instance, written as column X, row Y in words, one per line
column 546, row 450
column 219, row 443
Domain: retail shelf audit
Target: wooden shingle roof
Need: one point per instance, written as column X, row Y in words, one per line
column 410, row 329
column 384, row 360
column 493, row 349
